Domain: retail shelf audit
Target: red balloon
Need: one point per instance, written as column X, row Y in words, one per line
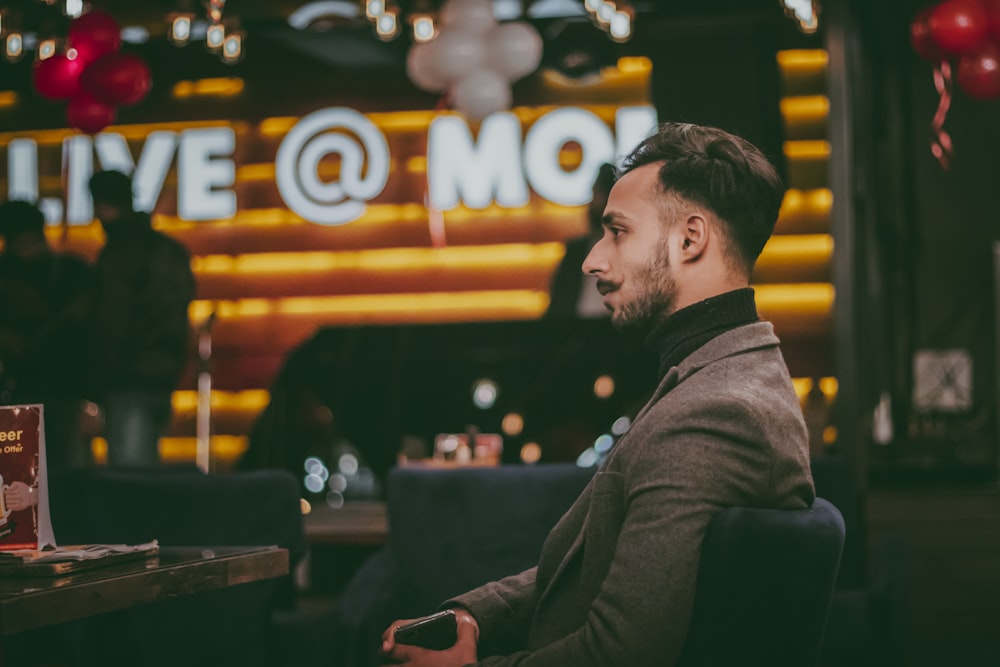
column 920, row 37
column 959, row 26
column 86, row 113
column 993, row 12
column 118, row 79
column 58, row 77
column 978, row 73
column 93, row 35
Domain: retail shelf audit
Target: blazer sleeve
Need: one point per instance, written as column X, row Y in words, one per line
column 503, row 609
column 673, row 484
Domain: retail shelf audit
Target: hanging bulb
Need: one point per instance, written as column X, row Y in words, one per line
column 606, row 12
column 387, row 26
column 232, row 48
column 424, row 29
column 14, row 46
column 620, row 27
column 215, row 8
column 374, row 9
column 215, row 36
column 46, row 49
column 180, row 28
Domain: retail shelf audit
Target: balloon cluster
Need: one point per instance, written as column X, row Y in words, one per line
column 474, row 59
column 93, row 74
column 969, row 32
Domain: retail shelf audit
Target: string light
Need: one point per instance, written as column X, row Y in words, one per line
column 374, row 9
column 620, row 26
column 424, row 29
column 606, row 12
column 47, row 49
column 215, row 36
column 804, row 12
column 387, row 26
column 232, row 48
column 180, row 28
column 14, row 46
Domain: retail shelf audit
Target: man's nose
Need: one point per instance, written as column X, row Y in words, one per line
column 594, row 263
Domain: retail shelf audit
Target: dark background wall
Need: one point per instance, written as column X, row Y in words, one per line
column 925, row 260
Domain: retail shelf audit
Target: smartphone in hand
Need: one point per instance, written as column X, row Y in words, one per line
column 436, row 632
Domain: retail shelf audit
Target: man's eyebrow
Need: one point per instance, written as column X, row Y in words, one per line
column 613, row 217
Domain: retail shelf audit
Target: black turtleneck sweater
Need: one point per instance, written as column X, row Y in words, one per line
column 689, row 328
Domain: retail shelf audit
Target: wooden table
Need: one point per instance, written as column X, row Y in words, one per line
column 29, row 603
column 356, row 523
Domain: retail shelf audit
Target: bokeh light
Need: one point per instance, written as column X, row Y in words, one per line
column 484, row 394
column 512, row 424
column 604, row 386
column 531, row 452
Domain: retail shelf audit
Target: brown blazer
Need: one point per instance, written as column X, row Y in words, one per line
column 615, row 582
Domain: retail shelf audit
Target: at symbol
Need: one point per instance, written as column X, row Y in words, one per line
column 314, row 137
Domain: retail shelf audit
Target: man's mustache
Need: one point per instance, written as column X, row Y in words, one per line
column 605, row 286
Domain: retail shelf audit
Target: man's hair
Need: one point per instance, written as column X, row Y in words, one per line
column 20, row 217
column 724, row 173
column 112, row 187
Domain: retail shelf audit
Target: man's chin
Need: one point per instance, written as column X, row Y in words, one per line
column 631, row 327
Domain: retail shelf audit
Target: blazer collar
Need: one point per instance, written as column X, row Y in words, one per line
column 754, row 336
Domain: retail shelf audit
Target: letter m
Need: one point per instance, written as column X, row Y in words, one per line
column 461, row 171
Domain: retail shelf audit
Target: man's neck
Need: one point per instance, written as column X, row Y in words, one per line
column 688, row 328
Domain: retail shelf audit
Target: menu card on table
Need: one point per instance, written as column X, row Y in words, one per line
column 24, row 496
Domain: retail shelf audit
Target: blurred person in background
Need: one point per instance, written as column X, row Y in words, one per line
column 44, row 297
column 571, row 293
column 140, row 333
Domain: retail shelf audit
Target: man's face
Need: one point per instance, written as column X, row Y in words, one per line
column 631, row 261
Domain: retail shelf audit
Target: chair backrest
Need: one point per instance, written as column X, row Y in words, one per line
column 452, row 530
column 185, row 507
column 764, row 587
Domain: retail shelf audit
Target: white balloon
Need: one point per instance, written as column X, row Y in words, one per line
column 420, row 68
column 481, row 93
column 475, row 16
column 457, row 54
column 515, row 49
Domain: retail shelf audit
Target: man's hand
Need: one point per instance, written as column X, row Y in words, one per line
column 19, row 496
column 464, row 652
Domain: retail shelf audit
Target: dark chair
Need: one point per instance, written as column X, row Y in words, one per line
column 764, row 587
column 449, row 531
column 185, row 507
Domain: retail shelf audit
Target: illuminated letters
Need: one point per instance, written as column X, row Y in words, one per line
column 494, row 167
column 459, row 170
column 200, row 169
column 317, row 135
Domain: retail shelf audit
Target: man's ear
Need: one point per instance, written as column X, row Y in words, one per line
column 694, row 237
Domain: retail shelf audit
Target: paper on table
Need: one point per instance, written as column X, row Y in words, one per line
column 79, row 552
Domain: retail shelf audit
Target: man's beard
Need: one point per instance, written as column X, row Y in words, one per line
column 653, row 303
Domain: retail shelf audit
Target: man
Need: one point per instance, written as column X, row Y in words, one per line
column 141, row 330
column 572, row 294
column 615, row 582
column 44, row 297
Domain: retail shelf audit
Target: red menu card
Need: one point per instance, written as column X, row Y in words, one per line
column 24, row 497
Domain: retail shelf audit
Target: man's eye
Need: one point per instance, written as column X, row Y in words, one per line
column 616, row 231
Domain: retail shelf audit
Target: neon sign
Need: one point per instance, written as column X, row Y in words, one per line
column 495, row 167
